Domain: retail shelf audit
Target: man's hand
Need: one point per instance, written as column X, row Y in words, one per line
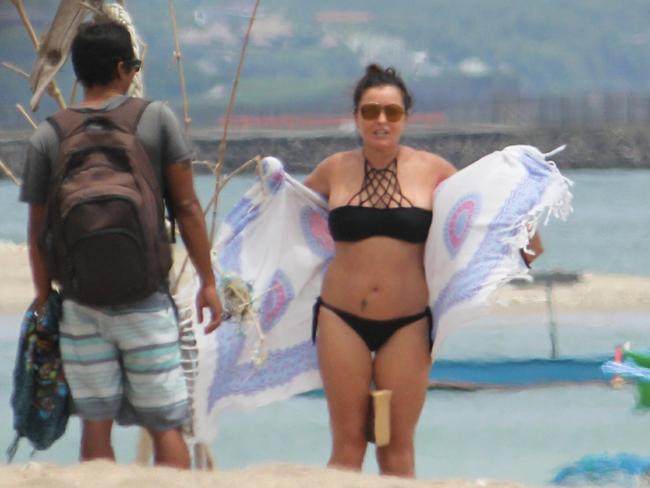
column 207, row 297
column 40, row 303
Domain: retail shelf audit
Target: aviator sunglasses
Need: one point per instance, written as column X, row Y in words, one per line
column 133, row 64
column 372, row 111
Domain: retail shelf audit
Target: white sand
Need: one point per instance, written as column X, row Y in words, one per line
column 107, row 475
column 592, row 293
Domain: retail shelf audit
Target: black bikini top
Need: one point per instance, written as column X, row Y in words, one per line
column 381, row 210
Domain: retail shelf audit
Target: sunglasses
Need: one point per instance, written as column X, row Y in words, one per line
column 133, row 64
column 372, row 111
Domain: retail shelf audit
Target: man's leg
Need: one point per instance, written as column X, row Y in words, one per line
column 154, row 381
column 170, row 449
column 93, row 372
column 96, row 440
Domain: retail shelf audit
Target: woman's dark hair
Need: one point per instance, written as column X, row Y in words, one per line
column 96, row 50
column 376, row 75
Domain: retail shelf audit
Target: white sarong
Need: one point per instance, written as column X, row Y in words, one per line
column 277, row 241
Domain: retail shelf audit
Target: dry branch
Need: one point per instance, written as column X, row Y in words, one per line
column 5, row 169
column 16, row 69
column 231, row 104
column 187, row 120
column 24, row 113
column 51, row 85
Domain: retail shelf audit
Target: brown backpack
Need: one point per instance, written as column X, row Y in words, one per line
column 105, row 237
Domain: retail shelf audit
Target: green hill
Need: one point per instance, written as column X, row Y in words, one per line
column 305, row 55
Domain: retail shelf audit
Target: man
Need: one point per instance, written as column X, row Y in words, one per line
column 122, row 361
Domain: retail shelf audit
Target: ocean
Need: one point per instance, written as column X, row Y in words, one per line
column 525, row 435
column 608, row 232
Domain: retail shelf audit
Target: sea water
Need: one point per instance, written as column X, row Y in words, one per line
column 608, row 232
column 524, row 435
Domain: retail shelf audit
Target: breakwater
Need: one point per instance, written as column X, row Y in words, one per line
column 587, row 147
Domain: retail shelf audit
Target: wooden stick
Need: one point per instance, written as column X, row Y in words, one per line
column 16, row 69
column 231, row 103
column 187, row 120
column 9, row 173
column 92, row 8
column 73, row 92
column 241, row 168
column 22, row 110
column 26, row 22
column 53, row 88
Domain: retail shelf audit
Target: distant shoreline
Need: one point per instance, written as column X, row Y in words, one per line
column 605, row 293
column 601, row 147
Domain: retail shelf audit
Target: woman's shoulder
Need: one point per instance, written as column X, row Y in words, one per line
column 430, row 162
column 335, row 163
column 331, row 171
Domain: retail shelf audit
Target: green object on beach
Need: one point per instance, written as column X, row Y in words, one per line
column 640, row 359
column 644, row 394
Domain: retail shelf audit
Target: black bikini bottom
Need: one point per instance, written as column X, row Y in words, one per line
column 374, row 333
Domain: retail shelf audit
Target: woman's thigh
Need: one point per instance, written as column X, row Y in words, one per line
column 402, row 365
column 346, row 370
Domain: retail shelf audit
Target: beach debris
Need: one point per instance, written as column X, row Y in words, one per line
column 634, row 366
column 53, row 50
column 622, row 470
column 238, row 301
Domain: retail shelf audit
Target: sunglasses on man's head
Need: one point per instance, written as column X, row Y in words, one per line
column 372, row 111
column 133, row 64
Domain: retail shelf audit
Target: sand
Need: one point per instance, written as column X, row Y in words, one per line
column 593, row 292
column 100, row 474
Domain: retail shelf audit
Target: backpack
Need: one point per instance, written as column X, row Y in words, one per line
column 105, row 237
column 40, row 400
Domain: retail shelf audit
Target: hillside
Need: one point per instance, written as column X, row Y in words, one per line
column 305, row 55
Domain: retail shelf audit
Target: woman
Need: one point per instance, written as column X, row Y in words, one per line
column 374, row 295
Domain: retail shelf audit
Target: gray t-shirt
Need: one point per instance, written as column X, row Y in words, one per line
column 158, row 130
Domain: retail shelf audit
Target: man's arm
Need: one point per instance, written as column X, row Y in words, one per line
column 40, row 276
column 191, row 224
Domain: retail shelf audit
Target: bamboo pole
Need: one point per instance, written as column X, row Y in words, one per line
column 22, row 110
column 187, row 120
column 5, row 169
column 16, row 69
column 73, row 92
column 53, row 88
column 231, row 104
column 241, row 168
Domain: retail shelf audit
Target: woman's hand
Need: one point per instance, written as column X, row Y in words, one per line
column 535, row 248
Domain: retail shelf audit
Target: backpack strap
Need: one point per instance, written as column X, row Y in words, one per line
column 124, row 117
column 67, row 121
column 127, row 115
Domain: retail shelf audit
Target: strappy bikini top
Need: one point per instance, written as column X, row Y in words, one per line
column 381, row 210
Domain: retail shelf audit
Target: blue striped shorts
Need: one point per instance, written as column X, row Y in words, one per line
column 124, row 362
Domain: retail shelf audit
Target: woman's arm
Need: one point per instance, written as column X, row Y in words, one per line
column 318, row 180
column 535, row 246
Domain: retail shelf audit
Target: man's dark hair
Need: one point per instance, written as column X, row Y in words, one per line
column 96, row 50
column 376, row 76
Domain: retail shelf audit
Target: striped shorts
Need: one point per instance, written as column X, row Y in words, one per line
column 124, row 362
